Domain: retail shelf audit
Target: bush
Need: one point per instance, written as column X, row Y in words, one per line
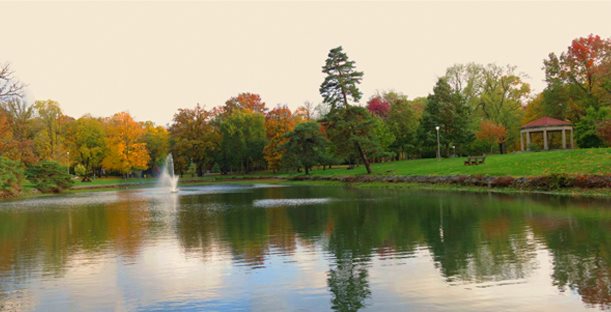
column 49, row 177
column 81, row 171
column 11, row 177
column 534, row 147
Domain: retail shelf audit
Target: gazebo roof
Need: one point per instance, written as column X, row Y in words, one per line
column 545, row 122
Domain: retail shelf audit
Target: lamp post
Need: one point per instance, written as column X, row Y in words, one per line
column 454, row 150
column 438, row 148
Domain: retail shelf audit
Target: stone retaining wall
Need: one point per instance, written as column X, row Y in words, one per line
column 549, row 182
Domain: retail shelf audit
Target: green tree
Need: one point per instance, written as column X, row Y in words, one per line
column 86, row 141
column 341, row 80
column 447, row 110
column 501, row 99
column 242, row 139
column 11, row 177
column 348, row 127
column 402, row 122
column 49, row 177
column 586, row 133
column 305, row 145
column 353, row 132
column 157, row 141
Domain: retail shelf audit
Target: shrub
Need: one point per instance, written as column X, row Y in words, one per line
column 11, row 177
column 534, row 147
column 49, row 177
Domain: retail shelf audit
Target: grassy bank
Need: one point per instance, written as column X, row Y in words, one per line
column 570, row 162
column 580, row 161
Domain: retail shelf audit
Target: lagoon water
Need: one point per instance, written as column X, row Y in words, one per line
column 304, row 248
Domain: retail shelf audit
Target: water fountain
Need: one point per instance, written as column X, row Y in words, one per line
column 167, row 177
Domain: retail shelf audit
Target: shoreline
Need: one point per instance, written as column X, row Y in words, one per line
column 477, row 184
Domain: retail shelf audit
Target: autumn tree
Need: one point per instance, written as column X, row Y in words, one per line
column 247, row 101
column 50, row 125
column 305, row 146
column 534, row 109
column 6, row 138
column 378, row 106
column 19, row 116
column 87, row 144
column 278, row 122
column 126, row 148
column 579, row 77
column 193, row 139
column 493, row 134
column 341, row 80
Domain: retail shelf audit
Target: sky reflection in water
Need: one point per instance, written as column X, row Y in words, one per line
column 309, row 248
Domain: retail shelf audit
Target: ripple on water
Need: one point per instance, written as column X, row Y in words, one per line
column 268, row 203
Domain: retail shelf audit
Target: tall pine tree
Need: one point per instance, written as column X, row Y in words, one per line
column 350, row 128
column 341, row 81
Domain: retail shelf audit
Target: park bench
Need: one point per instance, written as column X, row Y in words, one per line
column 475, row 160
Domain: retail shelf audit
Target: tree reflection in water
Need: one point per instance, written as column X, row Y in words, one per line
column 471, row 238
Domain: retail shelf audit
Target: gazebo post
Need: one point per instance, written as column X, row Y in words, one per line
column 572, row 142
column 563, row 138
column 527, row 140
column 545, row 147
column 521, row 141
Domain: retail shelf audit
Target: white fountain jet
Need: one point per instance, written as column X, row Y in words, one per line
column 167, row 177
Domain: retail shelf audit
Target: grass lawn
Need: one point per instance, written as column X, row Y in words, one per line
column 580, row 161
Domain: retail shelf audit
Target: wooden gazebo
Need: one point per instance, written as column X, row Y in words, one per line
column 546, row 125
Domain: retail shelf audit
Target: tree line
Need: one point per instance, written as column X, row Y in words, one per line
column 478, row 108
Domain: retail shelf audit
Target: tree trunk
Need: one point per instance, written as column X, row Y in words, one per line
column 307, row 170
column 363, row 157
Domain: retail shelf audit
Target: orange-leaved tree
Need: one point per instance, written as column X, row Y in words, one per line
column 126, row 149
column 278, row 122
column 248, row 101
column 493, row 134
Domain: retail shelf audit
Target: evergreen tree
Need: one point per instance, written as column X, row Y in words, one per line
column 353, row 132
column 448, row 110
column 350, row 128
column 305, row 146
column 341, row 80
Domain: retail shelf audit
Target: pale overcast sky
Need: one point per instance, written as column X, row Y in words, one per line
column 152, row 58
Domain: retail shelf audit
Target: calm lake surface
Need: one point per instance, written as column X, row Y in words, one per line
column 304, row 248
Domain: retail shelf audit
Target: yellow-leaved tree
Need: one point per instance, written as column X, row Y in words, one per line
column 125, row 142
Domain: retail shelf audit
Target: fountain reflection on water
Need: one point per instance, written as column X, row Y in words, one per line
column 167, row 177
